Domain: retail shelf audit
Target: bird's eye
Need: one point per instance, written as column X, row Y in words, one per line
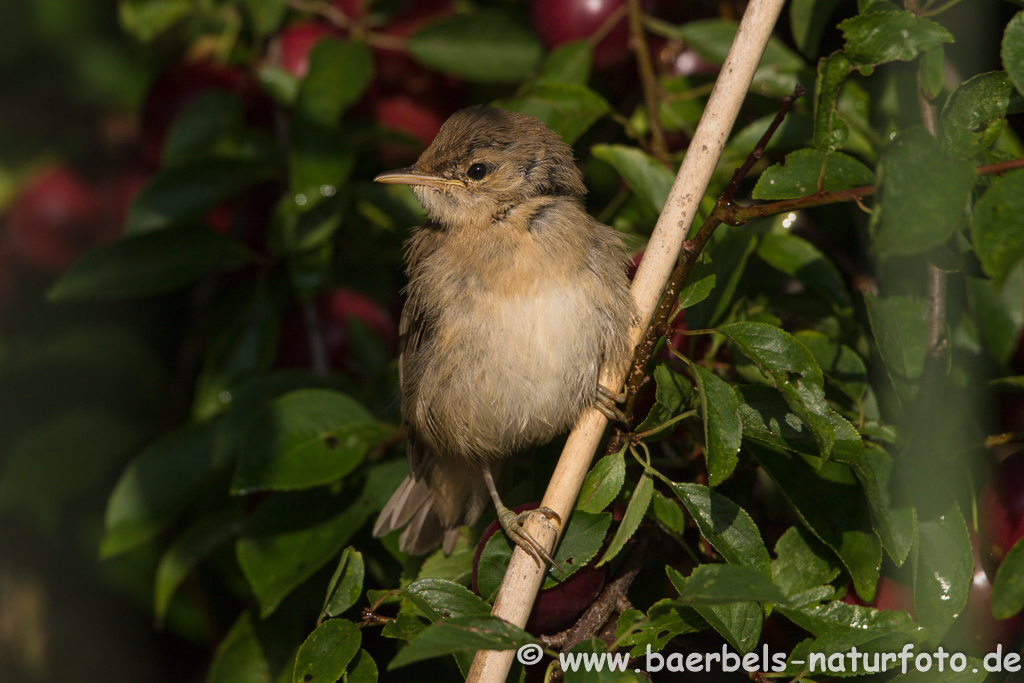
column 477, row 171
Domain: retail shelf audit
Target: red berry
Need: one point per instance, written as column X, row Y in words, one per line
column 54, row 219
column 560, row 21
column 1001, row 507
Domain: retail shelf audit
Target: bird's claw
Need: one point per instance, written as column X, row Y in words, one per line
column 514, row 528
column 606, row 401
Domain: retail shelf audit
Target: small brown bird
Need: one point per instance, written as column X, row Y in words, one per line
column 516, row 298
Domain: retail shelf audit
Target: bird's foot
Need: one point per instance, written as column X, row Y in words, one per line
column 514, row 528
column 606, row 401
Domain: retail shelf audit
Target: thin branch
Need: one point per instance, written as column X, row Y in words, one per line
column 648, row 81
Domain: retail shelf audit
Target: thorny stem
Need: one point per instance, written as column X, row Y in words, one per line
column 648, row 80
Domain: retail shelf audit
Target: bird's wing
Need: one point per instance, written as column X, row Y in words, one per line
column 413, row 330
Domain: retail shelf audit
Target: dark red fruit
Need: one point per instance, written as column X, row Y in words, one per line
column 336, row 308
column 179, row 85
column 54, row 219
column 557, row 607
column 293, row 45
column 1001, row 507
column 976, row 631
column 560, row 21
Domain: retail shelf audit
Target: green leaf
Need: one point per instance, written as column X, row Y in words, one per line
column 807, row 22
column 716, row 584
column 181, row 195
column 438, row 598
column 665, row 620
column 643, row 174
column 830, row 130
column 146, row 19
column 580, row 543
column 346, row 585
column 152, row 263
column 922, row 195
column 768, row 419
column 305, row 438
column 569, row 109
column 202, row 127
column 667, row 512
column 290, row 536
column 852, row 623
column 325, row 654
column 800, row 259
column 635, row 511
column 602, row 483
column 239, row 657
column 779, row 355
column 894, row 518
column 973, row 116
column 461, row 634
column 698, row 286
column 998, row 311
column 250, row 396
column 738, row 622
column 840, row 364
column 1008, row 586
column 362, row 670
column 674, row 396
column 157, row 486
column 487, row 46
column 997, row 226
column 943, row 569
column 567, row 63
column 726, row 526
column 457, row 567
column 339, row 72
column 188, row 549
column 1012, row 51
column 798, row 176
column 881, row 37
column 900, row 327
column 829, row 502
column 723, row 429
column 803, row 562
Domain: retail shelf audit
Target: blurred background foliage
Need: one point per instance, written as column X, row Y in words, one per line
column 199, row 288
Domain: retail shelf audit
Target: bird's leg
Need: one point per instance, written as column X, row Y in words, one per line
column 513, row 523
column 606, row 400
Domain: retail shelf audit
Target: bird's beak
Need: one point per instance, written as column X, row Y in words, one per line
column 411, row 176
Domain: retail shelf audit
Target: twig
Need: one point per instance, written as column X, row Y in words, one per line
column 648, row 81
column 523, row 577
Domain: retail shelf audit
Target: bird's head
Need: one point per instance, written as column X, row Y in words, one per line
column 484, row 162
